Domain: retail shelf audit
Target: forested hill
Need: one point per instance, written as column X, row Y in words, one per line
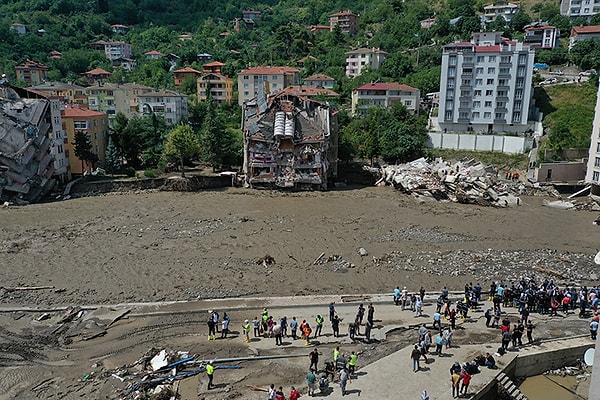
column 280, row 36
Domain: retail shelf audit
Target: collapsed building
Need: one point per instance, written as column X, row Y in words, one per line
column 290, row 142
column 26, row 165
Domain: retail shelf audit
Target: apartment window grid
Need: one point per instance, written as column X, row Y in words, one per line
column 597, row 162
column 596, row 176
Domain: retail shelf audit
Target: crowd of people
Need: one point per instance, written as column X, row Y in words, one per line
column 528, row 296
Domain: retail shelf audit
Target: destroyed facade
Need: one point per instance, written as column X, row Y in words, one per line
column 26, row 165
column 290, row 142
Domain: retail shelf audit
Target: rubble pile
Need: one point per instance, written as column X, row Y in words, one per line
column 507, row 265
column 468, row 182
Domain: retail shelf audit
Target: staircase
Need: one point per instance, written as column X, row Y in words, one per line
column 509, row 386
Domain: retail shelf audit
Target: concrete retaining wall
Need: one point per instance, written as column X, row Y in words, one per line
column 476, row 142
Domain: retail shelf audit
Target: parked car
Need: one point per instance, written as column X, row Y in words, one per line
column 588, row 72
column 548, row 81
column 556, row 73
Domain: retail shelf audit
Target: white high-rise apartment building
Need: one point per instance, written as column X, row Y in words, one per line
column 485, row 85
column 580, row 8
column 593, row 166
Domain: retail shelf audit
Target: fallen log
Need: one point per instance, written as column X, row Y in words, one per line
column 17, row 288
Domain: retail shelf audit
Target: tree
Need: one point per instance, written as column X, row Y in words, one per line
column 182, row 144
column 519, row 20
column 217, row 143
column 111, row 157
column 83, row 149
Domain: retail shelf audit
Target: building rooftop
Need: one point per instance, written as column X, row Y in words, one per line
column 386, row 86
column 577, row 30
column 366, row 50
column 319, row 78
column 97, row 71
column 73, row 111
column 187, row 70
column 269, row 70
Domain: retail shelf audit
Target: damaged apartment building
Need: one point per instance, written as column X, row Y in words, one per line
column 26, row 164
column 290, row 142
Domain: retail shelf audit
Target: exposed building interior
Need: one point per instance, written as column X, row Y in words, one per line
column 289, row 142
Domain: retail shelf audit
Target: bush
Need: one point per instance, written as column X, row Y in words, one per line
column 150, row 173
column 130, row 172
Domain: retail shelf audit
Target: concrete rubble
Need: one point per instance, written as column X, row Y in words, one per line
column 26, row 166
column 468, row 182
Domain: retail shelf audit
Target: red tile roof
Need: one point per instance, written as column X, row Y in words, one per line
column 78, row 112
column 585, row 29
column 386, row 86
column 269, row 70
column 98, row 71
column 214, row 64
column 187, row 70
column 153, row 52
column 319, row 78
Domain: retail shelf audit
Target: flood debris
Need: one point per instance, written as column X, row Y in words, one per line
column 468, row 182
column 157, row 372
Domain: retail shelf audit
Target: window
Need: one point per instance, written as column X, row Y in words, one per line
column 449, row 105
column 452, row 72
column 517, row 106
column 408, row 103
column 464, row 104
column 487, row 115
column 479, row 70
column 499, row 115
column 450, row 82
column 477, row 104
column 597, row 162
column 452, row 60
column 491, row 70
column 477, row 93
column 480, row 59
column 502, row 82
column 596, row 176
column 245, row 85
column 448, row 115
column 502, row 93
column 490, row 81
column 505, row 59
column 80, row 124
column 518, row 94
column 489, row 92
column 500, row 104
column 488, row 103
column 463, row 115
column 468, row 60
column 598, row 147
column 467, row 70
column 465, row 93
column 521, row 71
column 504, row 71
column 492, row 59
column 466, row 82
column 478, row 82
column 522, row 58
column 475, row 114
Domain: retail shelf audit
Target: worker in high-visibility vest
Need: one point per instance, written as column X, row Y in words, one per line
column 210, row 370
column 246, row 328
column 352, row 362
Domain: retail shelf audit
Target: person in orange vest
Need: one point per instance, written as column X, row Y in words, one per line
column 307, row 331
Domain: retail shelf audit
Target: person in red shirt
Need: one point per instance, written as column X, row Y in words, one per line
column 466, row 379
column 294, row 394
